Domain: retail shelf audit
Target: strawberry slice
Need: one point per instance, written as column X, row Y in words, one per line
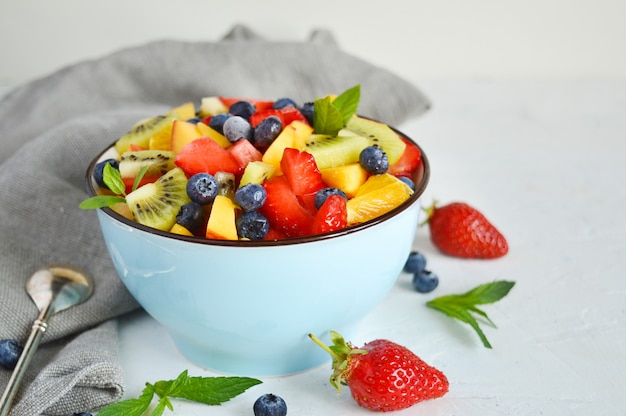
column 259, row 116
column 206, row 155
column 408, row 162
column 332, row 215
column 301, row 172
column 291, row 113
column 260, row 105
column 283, row 210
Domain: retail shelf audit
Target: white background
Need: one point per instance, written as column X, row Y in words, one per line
column 418, row 39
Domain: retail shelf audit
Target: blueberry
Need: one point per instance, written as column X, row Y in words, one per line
column 284, row 102
column 250, row 197
column 98, row 171
column 202, row 188
column 252, row 225
column 374, row 160
column 191, row 216
column 10, row 351
column 217, row 122
column 324, row 193
column 425, row 281
column 243, row 109
column 270, row 405
column 307, row 110
column 194, row 120
column 267, row 130
column 237, row 128
column 416, row 262
column 408, row 181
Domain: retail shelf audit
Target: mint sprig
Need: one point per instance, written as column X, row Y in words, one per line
column 462, row 306
column 330, row 116
column 112, row 178
column 206, row 390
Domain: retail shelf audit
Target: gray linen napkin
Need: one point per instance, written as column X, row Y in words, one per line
column 52, row 127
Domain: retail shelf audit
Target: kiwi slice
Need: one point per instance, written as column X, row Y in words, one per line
column 378, row 134
column 333, row 151
column 226, row 184
column 157, row 204
column 141, row 132
column 158, row 162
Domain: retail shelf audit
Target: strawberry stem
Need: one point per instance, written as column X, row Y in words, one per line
column 325, row 347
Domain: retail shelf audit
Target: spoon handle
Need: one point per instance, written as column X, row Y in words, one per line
column 39, row 328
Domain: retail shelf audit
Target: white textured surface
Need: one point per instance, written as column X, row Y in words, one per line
column 546, row 163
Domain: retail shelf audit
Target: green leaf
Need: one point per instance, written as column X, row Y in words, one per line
column 462, row 306
column 139, row 177
column 348, row 102
column 327, row 119
column 330, row 116
column 130, row 407
column 113, row 180
column 207, row 390
column 101, row 201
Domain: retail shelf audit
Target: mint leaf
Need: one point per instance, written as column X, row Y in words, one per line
column 130, row 407
column 139, row 177
column 101, row 201
column 462, row 306
column 348, row 102
column 113, row 180
column 330, row 116
column 207, row 390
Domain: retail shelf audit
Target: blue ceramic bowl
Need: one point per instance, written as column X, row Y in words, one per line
column 245, row 308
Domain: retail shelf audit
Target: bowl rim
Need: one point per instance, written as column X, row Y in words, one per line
column 421, row 177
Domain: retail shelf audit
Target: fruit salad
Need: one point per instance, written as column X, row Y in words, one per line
column 250, row 169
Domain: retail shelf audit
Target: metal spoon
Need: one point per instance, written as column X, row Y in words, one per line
column 53, row 288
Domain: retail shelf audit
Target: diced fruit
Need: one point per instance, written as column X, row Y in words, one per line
column 291, row 135
column 205, row 155
column 259, row 116
column 158, row 162
column 211, row 106
column 221, row 224
column 260, row 105
column 333, row 151
column 183, row 132
column 180, row 230
column 157, row 204
column 141, row 133
column 378, row 134
column 378, row 195
column 408, row 162
column 322, row 195
column 348, row 178
column 331, row 216
column 208, row 131
column 184, row 111
column 226, row 184
column 283, row 209
column 301, row 172
column 244, row 152
column 256, row 172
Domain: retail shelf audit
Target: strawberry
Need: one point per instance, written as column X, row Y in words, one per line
column 260, row 105
column 408, row 162
column 460, row 230
column 332, row 215
column 301, row 172
column 283, row 209
column 382, row 375
column 259, row 116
